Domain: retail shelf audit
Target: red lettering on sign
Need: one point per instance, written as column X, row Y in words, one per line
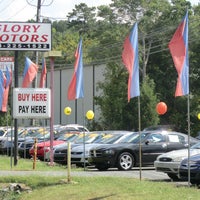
column 23, row 97
column 39, row 97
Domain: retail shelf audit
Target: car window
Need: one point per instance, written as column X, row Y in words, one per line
column 176, row 138
column 2, row 132
column 155, row 137
column 196, row 146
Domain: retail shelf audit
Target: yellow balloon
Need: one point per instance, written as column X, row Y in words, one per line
column 198, row 116
column 90, row 114
column 67, row 110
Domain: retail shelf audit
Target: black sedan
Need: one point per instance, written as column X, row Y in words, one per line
column 125, row 154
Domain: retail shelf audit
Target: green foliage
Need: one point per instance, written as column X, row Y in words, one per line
column 5, row 118
column 116, row 112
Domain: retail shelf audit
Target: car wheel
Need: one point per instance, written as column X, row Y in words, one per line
column 125, row 161
column 174, row 177
column 102, row 167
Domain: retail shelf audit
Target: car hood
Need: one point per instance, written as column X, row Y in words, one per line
column 179, row 153
column 87, row 147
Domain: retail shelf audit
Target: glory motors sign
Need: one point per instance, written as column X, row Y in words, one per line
column 25, row 36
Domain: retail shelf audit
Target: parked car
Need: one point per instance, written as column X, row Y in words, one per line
column 77, row 127
column 44, row 147
column 60, row 151
column 169, row 162
column 194, row 168
column 80, row 154
column 3, row 132
column 125, row 155
column 7, row 142
column 41, row 135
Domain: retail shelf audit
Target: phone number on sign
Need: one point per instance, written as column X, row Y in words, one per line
column 23, row 46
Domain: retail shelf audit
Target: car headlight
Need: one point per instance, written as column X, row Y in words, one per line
column 109, row 151
column 177, row 159
column 193, row 162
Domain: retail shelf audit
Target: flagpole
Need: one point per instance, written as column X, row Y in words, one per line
column 188, row 108
column 83, row 111
column 140, row 146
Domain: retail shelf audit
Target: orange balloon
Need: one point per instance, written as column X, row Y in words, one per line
column 161, row 108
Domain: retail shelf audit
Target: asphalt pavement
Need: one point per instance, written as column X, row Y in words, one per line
column 150, row 174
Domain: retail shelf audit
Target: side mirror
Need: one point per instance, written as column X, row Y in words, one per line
column 147, row 142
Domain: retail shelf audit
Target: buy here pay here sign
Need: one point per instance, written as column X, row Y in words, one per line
column 31, row 103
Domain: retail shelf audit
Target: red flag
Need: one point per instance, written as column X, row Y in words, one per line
column 131, row 61
column 178, row 47
column 43, row 74
column 75, row 89
column 30, row 71
column 2, row 86
column 8, row 80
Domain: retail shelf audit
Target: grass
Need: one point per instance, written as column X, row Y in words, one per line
column 6, row 163
column 92, row 188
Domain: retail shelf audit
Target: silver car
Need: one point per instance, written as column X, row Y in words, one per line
column 169, row 162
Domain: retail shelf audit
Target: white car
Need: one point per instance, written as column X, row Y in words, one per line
column 169, row 162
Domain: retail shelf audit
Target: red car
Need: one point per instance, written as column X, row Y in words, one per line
column 44, row 147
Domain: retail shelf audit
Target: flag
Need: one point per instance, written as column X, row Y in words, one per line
column 178, row 47
column 130, row 60
column 30, row 71
column 8, row 78
column 43, row 74
column 75, row 89
column 2, row 82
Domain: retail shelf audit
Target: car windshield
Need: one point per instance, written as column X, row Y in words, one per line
column 11, row 132
column 87, row 137
column 196, row 146
column 135, row 138
column 70, row 137
column 108, row 138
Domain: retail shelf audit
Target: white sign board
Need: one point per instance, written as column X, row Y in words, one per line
column 25, row 36
column 6, row 62
column 31, row 103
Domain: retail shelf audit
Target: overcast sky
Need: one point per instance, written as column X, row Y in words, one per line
column 21, row 10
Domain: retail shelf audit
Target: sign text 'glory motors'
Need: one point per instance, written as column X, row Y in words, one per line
column 25, row 36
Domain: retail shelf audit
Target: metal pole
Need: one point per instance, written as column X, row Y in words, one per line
column 140, row 146
column 37, row 20
column 52, row 110
column 69, row 162
column 188, row 105
column 15, row 120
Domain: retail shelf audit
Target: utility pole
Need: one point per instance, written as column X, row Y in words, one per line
column 37, row 20
column 36, row 52
column 16, row 85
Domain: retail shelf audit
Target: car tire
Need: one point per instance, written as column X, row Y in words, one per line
column 174, row 177
column 102, row 167
column 125, row 161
